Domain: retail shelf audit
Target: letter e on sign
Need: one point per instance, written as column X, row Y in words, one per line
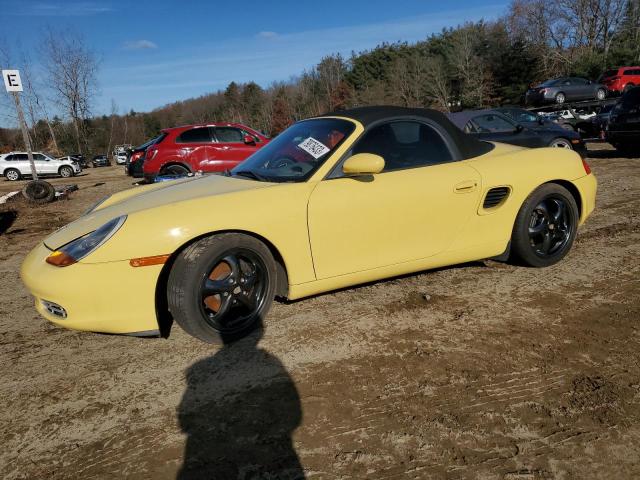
column 12, row 80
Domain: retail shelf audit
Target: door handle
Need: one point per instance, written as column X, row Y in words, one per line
column 467, row 186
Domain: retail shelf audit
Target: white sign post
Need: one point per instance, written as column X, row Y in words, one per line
column 13, row 84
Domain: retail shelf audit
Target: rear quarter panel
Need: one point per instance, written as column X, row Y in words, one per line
column 522, row 170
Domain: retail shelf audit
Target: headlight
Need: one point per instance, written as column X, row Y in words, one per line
column 83, row 246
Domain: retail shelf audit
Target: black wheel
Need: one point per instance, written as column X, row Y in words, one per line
column 601, row 94
column 220, row 287
column 12, row 174
column 177, row 170
column 545, row 227
column 560, row 143
column 65, row 171
column 627, row 87
column 39, row 191
column 560, row 98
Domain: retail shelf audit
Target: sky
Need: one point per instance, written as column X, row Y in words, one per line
column 156, row 52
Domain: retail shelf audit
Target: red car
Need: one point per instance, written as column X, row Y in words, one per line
column 621, row 79
column 213, row 147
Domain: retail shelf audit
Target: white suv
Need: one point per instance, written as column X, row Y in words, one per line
column 15, row 165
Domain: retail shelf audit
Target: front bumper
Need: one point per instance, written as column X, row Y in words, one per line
column 110, row 297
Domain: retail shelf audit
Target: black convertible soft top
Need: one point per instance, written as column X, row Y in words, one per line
column 469, row 146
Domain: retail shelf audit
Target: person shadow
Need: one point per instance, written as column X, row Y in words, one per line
column 239, row 411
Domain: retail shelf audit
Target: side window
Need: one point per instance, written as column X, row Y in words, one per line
column 628, row 72
column 23, row 157
column 579, row 81
column 38, row 156
column 229, row 135
column 255, row 137
column 195, row 135
column 492, row 124
column 9, row 158
column 405, row 144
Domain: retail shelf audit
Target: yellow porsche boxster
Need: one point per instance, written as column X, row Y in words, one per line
column 333, row 201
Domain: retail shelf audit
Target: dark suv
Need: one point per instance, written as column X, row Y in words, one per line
column 623, row 131
column 213, row 147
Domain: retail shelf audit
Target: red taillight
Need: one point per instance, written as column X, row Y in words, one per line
column 587, row 169
column 136, row 156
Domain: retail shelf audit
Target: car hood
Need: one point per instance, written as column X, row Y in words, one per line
column 148, row 197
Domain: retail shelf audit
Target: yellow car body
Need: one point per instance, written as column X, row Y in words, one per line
column 327, row 233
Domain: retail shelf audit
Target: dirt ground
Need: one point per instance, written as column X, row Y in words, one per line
column 481, row 371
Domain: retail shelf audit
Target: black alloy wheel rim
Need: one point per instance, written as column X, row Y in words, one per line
column 233, row 291
column 550, row 226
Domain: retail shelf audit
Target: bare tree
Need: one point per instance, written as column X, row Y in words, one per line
column 71, row 67
column 474, row 76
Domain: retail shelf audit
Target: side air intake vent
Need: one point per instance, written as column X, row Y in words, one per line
column 495, row 197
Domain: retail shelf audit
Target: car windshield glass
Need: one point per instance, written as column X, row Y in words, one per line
column 152, row 141
column 296, row 153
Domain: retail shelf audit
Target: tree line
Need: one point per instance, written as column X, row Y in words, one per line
column 472, row 65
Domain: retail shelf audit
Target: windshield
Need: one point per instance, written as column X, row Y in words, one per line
column 296, row 153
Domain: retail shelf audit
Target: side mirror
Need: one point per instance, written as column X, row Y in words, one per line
column 363, row 164
column 249, row 140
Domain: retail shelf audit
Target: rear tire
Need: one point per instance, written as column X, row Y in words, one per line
column 221, row 287
column 177, row 170
column 12, row 174
column 561, row 143
column 545, row 226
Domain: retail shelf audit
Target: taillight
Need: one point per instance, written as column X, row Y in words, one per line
column 587, row 169
column 136, row 156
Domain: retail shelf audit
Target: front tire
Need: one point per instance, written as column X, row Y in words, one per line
column 65, row 171
column 12, row 174
column 221, row 287
column 545, row 227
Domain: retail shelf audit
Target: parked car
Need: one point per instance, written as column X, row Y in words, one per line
column 620, row 80
column 578, row 120
column 561, row 90
column 493, row 126
column 121, row 158
column 101, row 161
column 377, row 192
column 623, row 131
column 135, row 159
column 213, row 147
column 15, row 165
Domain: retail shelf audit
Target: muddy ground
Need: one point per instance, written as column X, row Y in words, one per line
column 483, row 370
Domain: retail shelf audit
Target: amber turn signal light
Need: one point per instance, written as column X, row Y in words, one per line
column 60, row 259
column 147, row 261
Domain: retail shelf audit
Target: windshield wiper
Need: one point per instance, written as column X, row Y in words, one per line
column 251, row 174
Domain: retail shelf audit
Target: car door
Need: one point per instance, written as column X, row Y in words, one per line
column 21, row 162
column 230, row 146
column 495, row 127
column 44, row 164
column 413, row 209
column 193, row 147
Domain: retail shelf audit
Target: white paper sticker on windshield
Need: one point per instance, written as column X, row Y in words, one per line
column 313, row 147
